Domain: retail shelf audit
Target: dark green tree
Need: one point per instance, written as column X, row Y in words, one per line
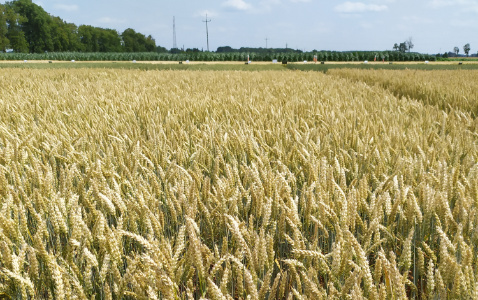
column 456, row 50
column 4, row 42
column 137, row 42
column 64, row 35
column 36, row 26
column 403, row 47
column 161, row 49
column 409, row 44
column 94, row 39
column 129, row 40
column 109, row 40
column 467, row 48
column 88, row 38
column 15, row 34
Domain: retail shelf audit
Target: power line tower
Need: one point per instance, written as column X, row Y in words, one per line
column 174, row 33
column 266, row 41
column 207, row 33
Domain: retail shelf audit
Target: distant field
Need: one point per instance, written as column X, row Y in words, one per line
column 156, row 181
column 239, row 66
column 448, row 90
column 196, row 66
column 386, row 66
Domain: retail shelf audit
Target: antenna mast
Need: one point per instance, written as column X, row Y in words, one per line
column 207, row 33
column 174, row 33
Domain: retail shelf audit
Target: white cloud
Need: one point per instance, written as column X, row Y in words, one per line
column 237, row 4
column 110, row 21
column 359, row 7
column 295, row 1
column 67, row 7
column 469, row 5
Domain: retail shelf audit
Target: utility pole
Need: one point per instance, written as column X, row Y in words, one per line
column 266, row 42
column 174, row 33
column 207, row 33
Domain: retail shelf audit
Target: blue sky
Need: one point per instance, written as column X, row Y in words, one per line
column 434, row 25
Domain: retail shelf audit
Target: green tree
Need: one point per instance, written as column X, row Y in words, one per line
column 95, row 39
column 60, row 37
column 36, row 27
column 137, row 42
column 4, row 42
column 64, row 35
column 129, row 40
column 456, row 50
column 87, row 38
column 109, row 40
column 15, row 34
column 161, row 49
column 403, row 47
column 467, row 48
column 409, row 44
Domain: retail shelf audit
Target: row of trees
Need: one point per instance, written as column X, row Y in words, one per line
column 405, row 46
column 26, row 27
column 466, row 49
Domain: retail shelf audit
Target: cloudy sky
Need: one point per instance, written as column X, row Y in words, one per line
column 434, row 25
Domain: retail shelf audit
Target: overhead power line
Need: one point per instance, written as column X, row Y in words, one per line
column 207, row 33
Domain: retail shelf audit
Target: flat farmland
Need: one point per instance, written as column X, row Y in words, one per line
column 273, row 184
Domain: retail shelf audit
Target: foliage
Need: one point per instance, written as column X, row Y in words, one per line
column 137, row 42
column 32, row 29
column 95, row 39
column 36, row 25
column 402, row 47
column 405, row 46
column 4, row 42
column 409, row 44
column 15, row 37
column 466, row 49
column 196, row 55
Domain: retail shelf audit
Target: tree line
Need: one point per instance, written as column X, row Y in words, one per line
column 466, row 49
column 26, row 27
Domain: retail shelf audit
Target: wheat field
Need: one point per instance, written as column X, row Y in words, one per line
column 445, row 89
column 127, row 184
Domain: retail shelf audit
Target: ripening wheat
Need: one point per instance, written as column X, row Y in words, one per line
column 125, row 184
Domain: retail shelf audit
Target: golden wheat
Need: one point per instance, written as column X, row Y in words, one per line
column 234, row 185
